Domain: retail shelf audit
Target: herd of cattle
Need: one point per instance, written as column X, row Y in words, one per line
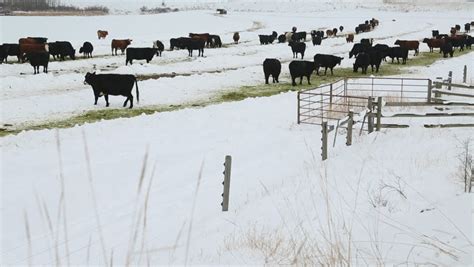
column 37, row 51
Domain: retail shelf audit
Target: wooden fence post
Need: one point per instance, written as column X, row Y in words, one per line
column 226, row 183
column 464, row 74
column 438, row 86
column 350, row 123
column 450, row 79
column 379, row 113
column 324, row 140
column 370, row 117
column 430, row 87
column 298, row 112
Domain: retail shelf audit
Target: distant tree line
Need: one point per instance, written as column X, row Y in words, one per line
column 39, row 5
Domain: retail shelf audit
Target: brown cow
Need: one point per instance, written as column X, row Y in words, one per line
column 201, row 36
column 33, row 40
column 120, row 44
column 350, row 38
column 410, row 45
column 434, row 43
column 236, row 37
column 102, row 34
column 32, row 48
column 329, row 33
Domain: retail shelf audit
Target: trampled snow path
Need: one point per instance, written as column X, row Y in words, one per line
column 31, row 99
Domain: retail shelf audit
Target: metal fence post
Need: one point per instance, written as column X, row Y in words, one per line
column 324, row 140
column 379, row 113
column 464, row 74
column 330, row 95
column 438, row 86
column 450, row 79
column 350, row 123
column 226, row 183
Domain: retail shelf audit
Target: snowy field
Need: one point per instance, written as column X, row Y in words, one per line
column 147, row 190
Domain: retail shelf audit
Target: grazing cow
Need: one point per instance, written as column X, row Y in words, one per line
column 398, row 52
column 62, row 49
column 341, row 28
column 11, row 50
column 267, row 39
column 350, row 38
column 329, row 33
column 447, row 48
column 281, row 38
column 411, row 45
column 326, row 61
column 86, row 49
column 383, row 49
column 102, row 34
column 362, row 61
column 434, row 43
column 215, row 41
column 178, row 42
column 120, row 44
column 467, row 27
column 334, row 31
column 316, row 40
column 203, row 36
column 297, row 47
column 375, row 59
column 145, row 53
column 457, row 41
column 112, row 84
column 367, row 42
column 434, row 33
column 159, row 46
column 301, row 69
column 236, row 37
column 32, row 48
column 194, row 44
column 38, row 59
column 271, row 66
column 358, row 48
column 299, row 36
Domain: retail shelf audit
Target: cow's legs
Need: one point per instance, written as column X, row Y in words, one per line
column 45, row 68
column 96, row 96
column 276, row 79
column 126, row 100
column 325, row 70
column 332, row 72
column 106, row 100
column 309, row 82
column 293, row 80
column 266, row 78
column 131, row 100
column 301, row 79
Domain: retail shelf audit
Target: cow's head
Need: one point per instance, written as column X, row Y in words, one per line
column 129, row 41
column 88, row 79
column 425, row 40
column 339, row 59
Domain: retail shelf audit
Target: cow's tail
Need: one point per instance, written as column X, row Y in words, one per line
column 136, row 86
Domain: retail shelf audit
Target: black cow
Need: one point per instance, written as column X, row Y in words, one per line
column 194, row 44
column 38, row 59
column 341, row 28
column 271, row 66
column 326, row 61
column 267, row 39
column 3, row 54
column 383, row 49
column 362, row 61
column 281, row 38
column 467, row 27
column 297, row 47
column 62, row 49
column 320, row 34
column 375, row 59
column 145, row 53
column 398, row 52
column 447, row 48
column 301, row 69
column 299, row 36
column 87, row 49
column 469, row 41
column 434, row 33
column 358, row 48
column 112, row 84
column 457, row 27
column 457, row 41
column 159, row 46
column 178, row 42
column 215, row 41
column 334, row 31
column 316, row 40
column 11, row 50
column 366, row 41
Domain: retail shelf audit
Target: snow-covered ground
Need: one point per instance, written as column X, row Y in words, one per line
column 82, row 195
